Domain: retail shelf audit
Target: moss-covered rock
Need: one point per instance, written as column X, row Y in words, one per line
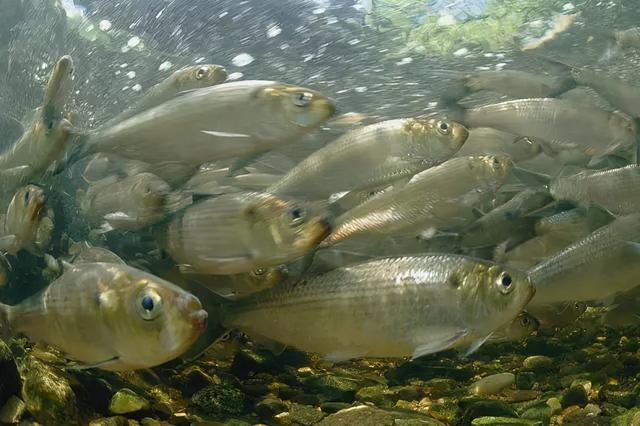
column 332, row 388
column 305, row 415
column 575, row 395
column 127, row 401
column 219, row 400
column 47, row 393
column 110, row 421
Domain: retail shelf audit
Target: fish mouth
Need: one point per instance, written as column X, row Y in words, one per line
column 198, row 320
column 317, row 231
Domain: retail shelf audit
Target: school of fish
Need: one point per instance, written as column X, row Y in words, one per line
column 192, row 213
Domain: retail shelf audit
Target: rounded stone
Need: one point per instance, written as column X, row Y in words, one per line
column 127, row 401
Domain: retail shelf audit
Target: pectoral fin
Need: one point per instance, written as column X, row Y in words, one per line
column 100, row 364
column 440, row 343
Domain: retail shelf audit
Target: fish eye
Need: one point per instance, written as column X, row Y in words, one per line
column 296, row 214
column 444, row 127
column 505, row 283
column 202, row 71
column 149, row 305
column 27, row 197
column 524, row 321
column 302, row 99
column 259, row 271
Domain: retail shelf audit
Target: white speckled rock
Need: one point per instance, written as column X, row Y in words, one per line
column 493, row 384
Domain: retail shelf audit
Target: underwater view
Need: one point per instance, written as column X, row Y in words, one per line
column 319, row 212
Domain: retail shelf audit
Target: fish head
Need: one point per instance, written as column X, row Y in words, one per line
column 264, row 278
column 530, row 147
column 158, row 320
column 26, row 209
column 623, row 131
column 199, row 76
column 524, row 325
column 491, row 168
column 305, row 108
column 494, row 295
column 434, row 137
column 288, row 227
column 149, row 190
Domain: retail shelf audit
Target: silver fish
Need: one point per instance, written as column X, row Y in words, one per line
column 440, row 196
column 520, row 328
column 392, row 307
column 508, row 222
column 224, row 121
column 26, row 225
column 596, row 267
column 241, row 232
column 130, row 203
column 485, row 140
column 185, row 79
column 559, row 126
column 373, row 155
column 616, row 190
column 110, row 316
column 513, row 83
column 557, row 315
column 45, row 141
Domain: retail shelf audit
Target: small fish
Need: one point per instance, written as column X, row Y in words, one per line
column 45, row 141
column 485, row 140
column 627, row 39
column 522, row 326
column 616, row 190
column 110, row 316
column 554, row 233
column 239, row 286
column 241, row 232
column 513, row 83
column 209, row 121
column 24, row 222
column 373, row 155
column 183, row 80
column 394, row 307
column 600, row 265
column 559, row 126
column 441, row 196
column 83, row 252
column 129, row 203
column 557, row 315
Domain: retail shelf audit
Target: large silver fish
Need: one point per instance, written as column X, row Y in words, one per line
column 224, row 121
column 616, row 190
column 110, row 316
column 373, row 155
column 563, row 128
column 241, row 232
column 602, row 264
column 394, row 307
column 437, row 197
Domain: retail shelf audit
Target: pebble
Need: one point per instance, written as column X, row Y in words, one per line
column 525, row 380
column 504, row 421
column 127, row 401
column 537, row 362
column 575, row 395
column 493, row 384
